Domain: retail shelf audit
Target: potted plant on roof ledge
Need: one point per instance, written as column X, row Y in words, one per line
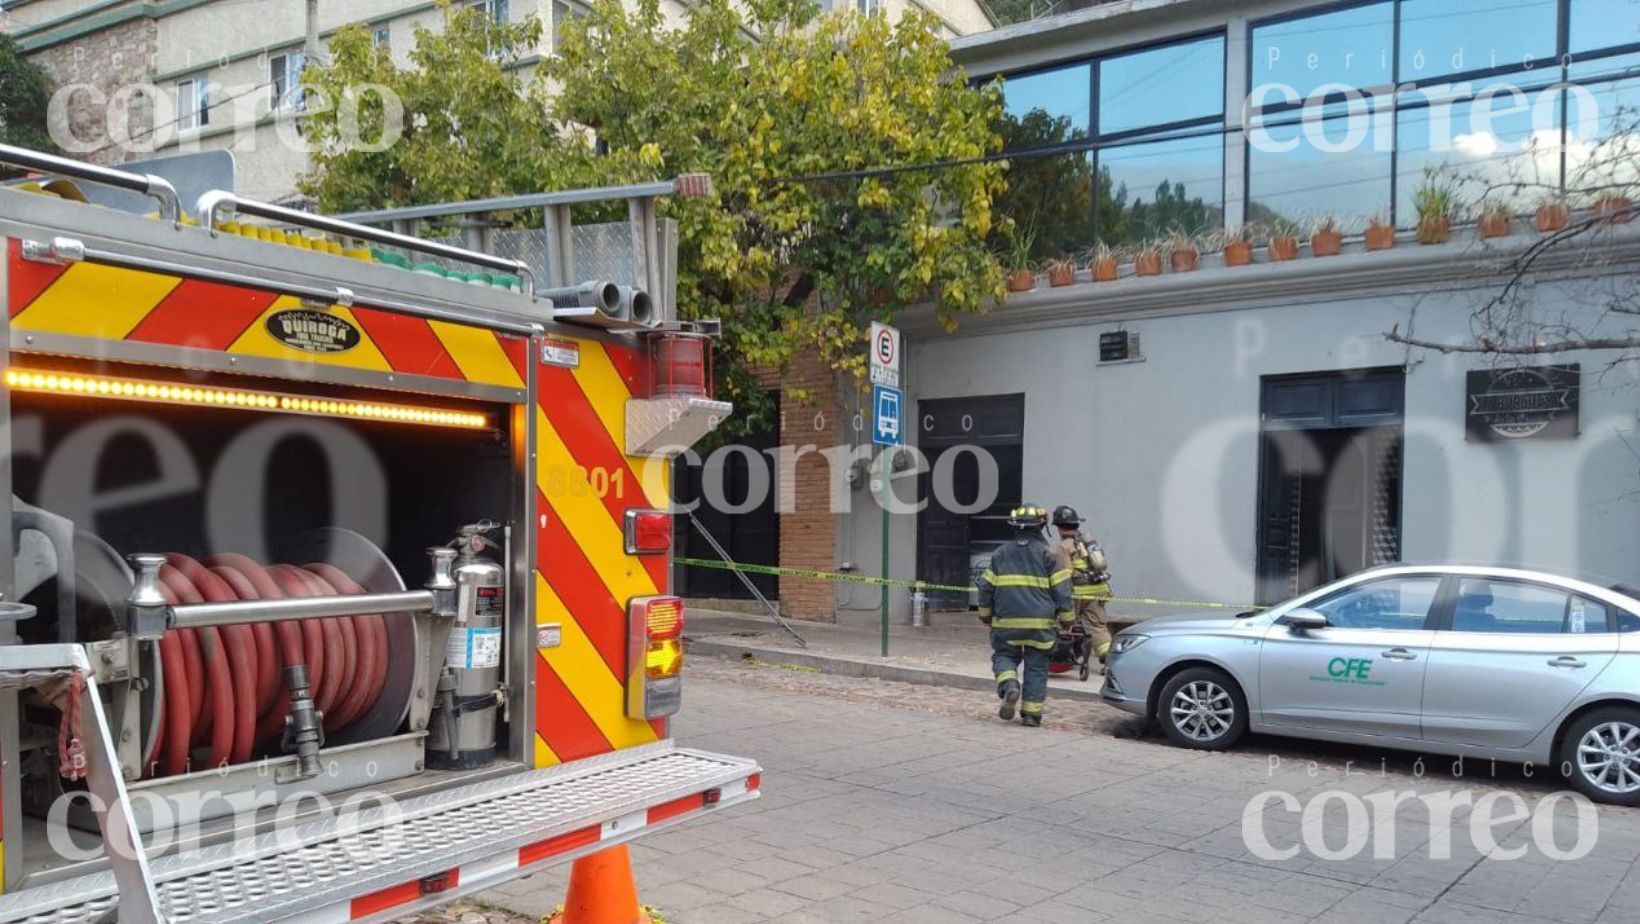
column 1238, row 246
column 1435, row 204
column 1283, row 240
column 1183, row 252
column 1061, row 272
column 1615, row 207
column 1147, row 259
column 1326, row 237
column 1380, row 232
column 1553, row 214
column 1103, row 263
column 1494, row 221
column 1021, row 277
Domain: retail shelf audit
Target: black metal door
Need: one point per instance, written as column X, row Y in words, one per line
column 952, row 537
column 1329, row 479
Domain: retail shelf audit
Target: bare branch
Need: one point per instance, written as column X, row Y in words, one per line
column 1488, row 345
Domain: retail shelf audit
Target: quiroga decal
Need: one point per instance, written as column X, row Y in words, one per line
column 313, row 331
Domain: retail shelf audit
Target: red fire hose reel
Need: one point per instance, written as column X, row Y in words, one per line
column 223, row 688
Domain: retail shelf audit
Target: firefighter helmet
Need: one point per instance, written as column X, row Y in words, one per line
column 1065, row 515
column 1028, row 517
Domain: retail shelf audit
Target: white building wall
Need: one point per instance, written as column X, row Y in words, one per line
column 1162, row 456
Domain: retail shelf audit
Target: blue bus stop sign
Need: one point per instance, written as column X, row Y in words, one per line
column 887, row 413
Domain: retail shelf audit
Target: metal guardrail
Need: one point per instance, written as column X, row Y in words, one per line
column 156, row 188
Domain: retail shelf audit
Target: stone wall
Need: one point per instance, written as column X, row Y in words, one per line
column 113, row 65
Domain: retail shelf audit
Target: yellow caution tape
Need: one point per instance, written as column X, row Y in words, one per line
column 872, row 580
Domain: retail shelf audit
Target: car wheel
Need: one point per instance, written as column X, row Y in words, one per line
column 1203, row 709
column 1600, row 755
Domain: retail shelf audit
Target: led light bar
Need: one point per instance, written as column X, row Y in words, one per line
column 124, row 389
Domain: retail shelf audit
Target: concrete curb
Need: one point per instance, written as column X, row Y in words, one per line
column 876, row 670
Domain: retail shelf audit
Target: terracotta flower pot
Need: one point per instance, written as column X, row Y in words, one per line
column 1238, row 253
column 1327, row 243
column 1148, row 264
column 1434, row 230
column 1061, row 274
column 1615, row 209
column 1554, row 216
column 1021, row 280
column 1104, row 270
column 1283, row 248
column 1185, row 260
column 1380, row 237
column 1494, row 225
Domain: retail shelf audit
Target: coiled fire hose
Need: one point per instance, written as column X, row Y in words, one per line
column 224, row 688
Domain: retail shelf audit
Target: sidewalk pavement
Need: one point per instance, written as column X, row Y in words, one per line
column 943, row 656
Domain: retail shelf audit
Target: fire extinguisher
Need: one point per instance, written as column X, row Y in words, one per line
column 462, row 733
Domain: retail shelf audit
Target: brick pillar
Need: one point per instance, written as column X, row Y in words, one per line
column 808, row 527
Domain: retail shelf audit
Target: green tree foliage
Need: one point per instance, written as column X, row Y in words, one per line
column 759, row 95
column 25, row 94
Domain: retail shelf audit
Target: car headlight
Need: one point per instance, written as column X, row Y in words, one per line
column 1125, row 643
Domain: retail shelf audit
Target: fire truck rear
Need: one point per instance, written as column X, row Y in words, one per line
column 336, row 582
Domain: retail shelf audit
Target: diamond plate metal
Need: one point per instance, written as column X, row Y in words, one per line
column 290, row 872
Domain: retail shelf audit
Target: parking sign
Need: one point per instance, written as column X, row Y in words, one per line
column 885, row 355
column 887, row 410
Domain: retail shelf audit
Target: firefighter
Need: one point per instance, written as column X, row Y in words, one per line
column 1025, row 597
column 1090, row 579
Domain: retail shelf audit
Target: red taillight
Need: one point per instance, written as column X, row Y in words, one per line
column 648, row 532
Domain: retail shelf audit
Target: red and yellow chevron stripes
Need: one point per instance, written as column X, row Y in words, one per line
column 110, row 303
column 585, row 579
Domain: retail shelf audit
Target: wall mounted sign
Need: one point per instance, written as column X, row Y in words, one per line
column 1526, row 402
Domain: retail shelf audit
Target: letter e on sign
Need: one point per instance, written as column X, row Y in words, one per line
column 885, row 355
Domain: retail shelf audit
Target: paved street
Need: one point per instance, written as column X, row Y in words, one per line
column 886, row 802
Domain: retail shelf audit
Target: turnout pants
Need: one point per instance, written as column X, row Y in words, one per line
column 1021, row 660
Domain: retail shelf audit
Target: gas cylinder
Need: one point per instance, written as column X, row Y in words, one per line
column 462, row 732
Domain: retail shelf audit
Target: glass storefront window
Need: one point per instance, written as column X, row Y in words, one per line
column 1597, row 24
column 1147, row 190
column 1603, row 135
column 1167, row 85
column 1354, row 47
column 1298, row 171
column 1061, row 95
column 1050, row 198
column 1441, row 37
column 1502, row 148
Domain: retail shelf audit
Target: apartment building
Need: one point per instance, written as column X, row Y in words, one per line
column 227, row 69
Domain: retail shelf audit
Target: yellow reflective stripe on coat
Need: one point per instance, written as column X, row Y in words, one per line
column 1019, row 580
column 1100, row 591
column 1067, row 615
column 1059, row 577
column 989, row 576
column 1022, row 622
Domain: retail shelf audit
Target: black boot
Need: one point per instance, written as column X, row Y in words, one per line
column 1009, row 693
column 1031, row 721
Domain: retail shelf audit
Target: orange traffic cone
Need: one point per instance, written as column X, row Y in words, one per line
column 602, row 891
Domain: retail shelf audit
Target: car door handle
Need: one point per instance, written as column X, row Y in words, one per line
column 1400, row 654
column 1567, row 661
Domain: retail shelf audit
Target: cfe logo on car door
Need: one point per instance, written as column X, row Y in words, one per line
column 1349, row 670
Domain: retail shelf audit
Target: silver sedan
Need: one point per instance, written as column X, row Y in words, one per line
column 1489, row 663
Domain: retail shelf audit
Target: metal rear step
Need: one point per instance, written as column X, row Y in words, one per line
column 388, row 861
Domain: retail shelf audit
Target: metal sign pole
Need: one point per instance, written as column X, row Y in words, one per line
column 882, row 501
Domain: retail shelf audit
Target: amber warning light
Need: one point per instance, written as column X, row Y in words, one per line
column 126, row 389
column 654, row 657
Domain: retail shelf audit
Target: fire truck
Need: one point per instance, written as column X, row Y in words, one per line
column 336, row 582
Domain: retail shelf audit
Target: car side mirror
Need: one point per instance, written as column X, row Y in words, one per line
column 1302, row 620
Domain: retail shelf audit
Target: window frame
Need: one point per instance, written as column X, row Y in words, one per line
column 1401, row 102
column 1455, row 581
column 286, row 99
column 1438, row 604
column 197, row 116
column 1205, row 126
